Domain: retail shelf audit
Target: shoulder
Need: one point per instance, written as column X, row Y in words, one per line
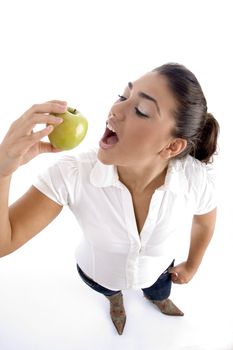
column 196, row 173
column 201, row 176
column 192, row 165
column 70, row 169
column 197, row 181
column 61, row 180
column 199, row 171
column 84, row 160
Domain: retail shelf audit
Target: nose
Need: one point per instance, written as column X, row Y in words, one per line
column 117, row 111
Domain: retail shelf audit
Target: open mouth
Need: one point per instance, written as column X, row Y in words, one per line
column 109, row 138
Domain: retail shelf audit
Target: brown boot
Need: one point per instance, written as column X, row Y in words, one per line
column 167, row 307
column 117, row 311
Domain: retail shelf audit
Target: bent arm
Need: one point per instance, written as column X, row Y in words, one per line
column 32, row 212
column 201, row 234
column 25, row 218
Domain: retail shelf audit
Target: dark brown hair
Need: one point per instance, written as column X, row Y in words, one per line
column 193, row 122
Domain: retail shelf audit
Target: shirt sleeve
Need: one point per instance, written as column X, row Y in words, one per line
column 55, row 181
column 206, row 191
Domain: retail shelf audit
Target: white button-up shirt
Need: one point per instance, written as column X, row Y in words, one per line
column 112, row 252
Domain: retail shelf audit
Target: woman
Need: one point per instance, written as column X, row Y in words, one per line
column 131, row 195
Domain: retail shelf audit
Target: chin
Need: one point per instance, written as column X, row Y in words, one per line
column 103, row 158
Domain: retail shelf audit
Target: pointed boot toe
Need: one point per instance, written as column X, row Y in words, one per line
column 117, row 312
column 167, row 307
column 119, row 324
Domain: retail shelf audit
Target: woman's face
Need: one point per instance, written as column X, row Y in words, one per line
column 142, row 121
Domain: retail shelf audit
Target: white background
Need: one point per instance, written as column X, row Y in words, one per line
column 85, row 52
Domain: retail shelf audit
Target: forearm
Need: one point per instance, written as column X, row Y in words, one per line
column 5, row 227
column 199, row 243
column 201, row 236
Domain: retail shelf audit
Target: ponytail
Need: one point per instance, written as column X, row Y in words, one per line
column 192, row 121
column 206, row 144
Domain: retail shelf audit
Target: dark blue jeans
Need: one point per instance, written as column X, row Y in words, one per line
column 160, row 290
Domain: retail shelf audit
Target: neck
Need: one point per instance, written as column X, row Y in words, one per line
column 139, row 180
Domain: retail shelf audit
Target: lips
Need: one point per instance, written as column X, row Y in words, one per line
column 110, row 138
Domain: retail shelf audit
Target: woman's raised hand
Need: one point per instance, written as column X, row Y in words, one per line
column 21, row 144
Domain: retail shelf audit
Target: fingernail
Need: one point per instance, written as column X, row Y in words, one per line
column 58, row 120
column 62, row 107
column 49, row 128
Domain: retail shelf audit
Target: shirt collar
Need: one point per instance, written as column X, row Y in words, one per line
column 103, row 175
column 176, row 181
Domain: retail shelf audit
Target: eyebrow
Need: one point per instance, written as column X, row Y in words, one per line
column 144, row 95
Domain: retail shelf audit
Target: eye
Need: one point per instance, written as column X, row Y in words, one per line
column 121, row 98
column 138, row 112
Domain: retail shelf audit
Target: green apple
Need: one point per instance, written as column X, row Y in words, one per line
column 71, row 131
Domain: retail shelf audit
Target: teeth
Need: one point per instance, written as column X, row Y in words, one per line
column 110, row 127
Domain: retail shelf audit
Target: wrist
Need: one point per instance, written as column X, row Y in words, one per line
column 6, row 170
column 191, row 266
column 5, row 179
column 4, row 175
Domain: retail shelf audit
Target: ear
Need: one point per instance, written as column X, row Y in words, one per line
column 174, row 148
